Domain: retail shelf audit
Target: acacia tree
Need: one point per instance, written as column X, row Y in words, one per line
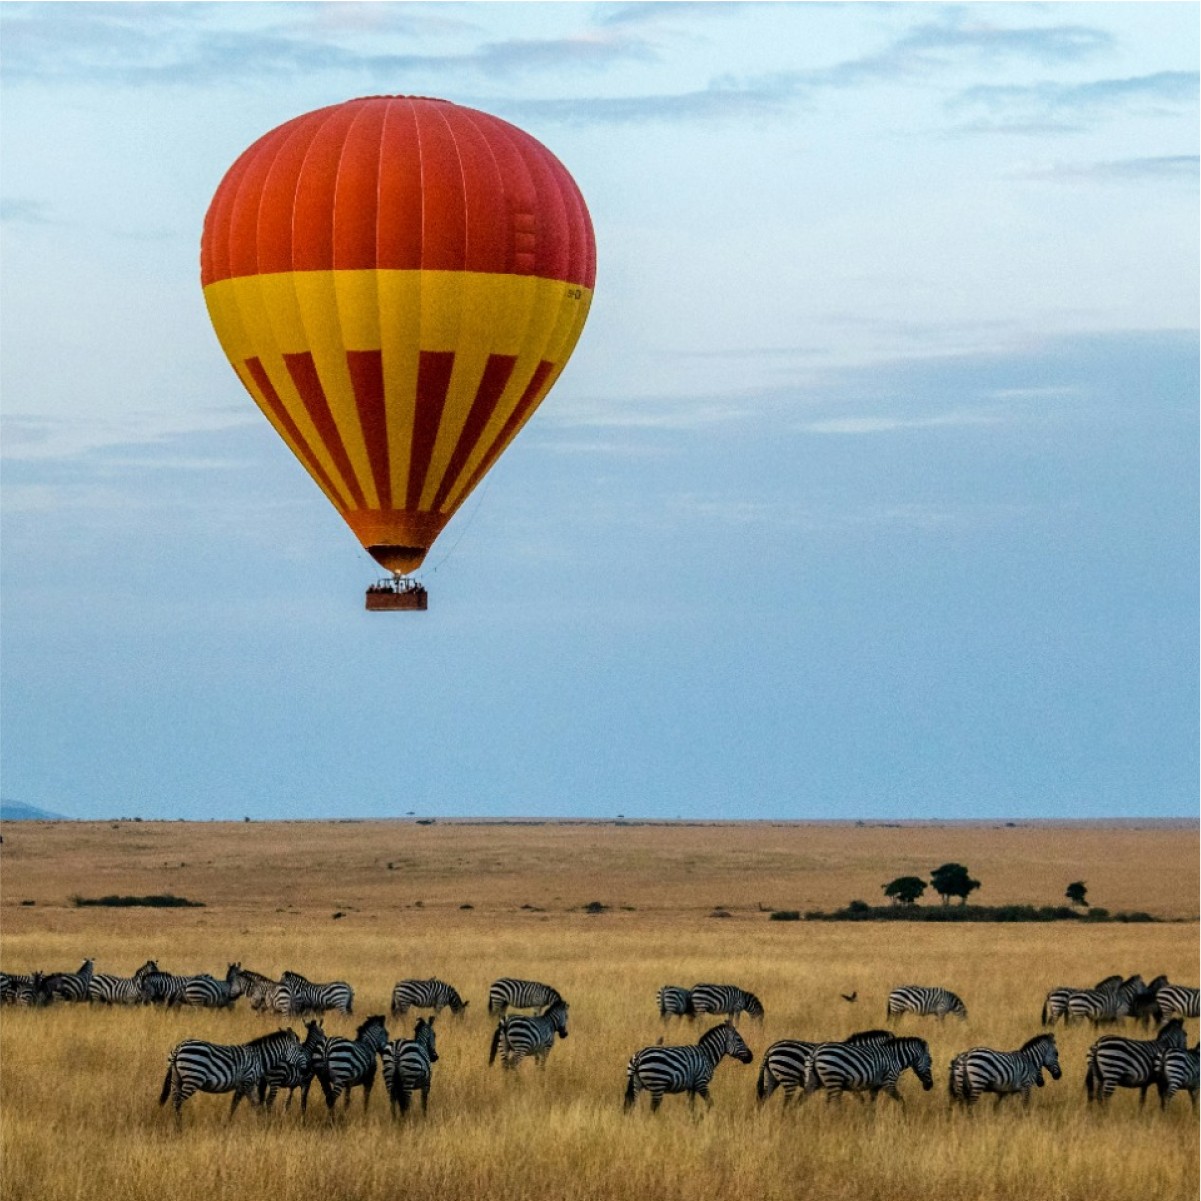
column 1076, row 893
column 904, row 890
column 952, row 880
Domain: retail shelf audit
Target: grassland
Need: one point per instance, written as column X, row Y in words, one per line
column 79, row 1087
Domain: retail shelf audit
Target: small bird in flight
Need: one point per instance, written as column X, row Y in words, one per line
column 853, row 997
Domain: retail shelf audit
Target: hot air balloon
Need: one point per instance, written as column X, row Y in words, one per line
column 398, row 282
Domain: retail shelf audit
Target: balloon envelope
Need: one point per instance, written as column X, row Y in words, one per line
column 398, row 282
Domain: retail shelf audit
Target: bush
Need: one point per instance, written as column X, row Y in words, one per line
column 784, row 915
column 163, row 900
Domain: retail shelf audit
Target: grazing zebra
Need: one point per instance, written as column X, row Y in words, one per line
column 507, row 993
column 163, row 988
column 784, row 1063
column 1106, row 1006
column 24, row 990
column 925, row 1002
column 689, row 1069
column 1115, row 1062
column 1176, row 1070
column 432, row 994
column 343, row 1063
column 408, row 1066
column 307, row 997
column 725, row 999
column 983, row 1070
column 212, row 993
column 1056, row 1004
column 120, row 990
column 675, row 1002
column 1178, row 1001
column 70, row 986
column 197, row 1066
column 870, row 1067
column 294, row 1069
column 255, row 986
column 517, row 1036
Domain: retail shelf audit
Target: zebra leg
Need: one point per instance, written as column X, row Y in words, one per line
column 425, row 1096
column 1142, row 1094
column 656, row 1101
column 368, row 1084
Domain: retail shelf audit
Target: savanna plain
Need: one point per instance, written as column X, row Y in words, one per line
column 606, row 912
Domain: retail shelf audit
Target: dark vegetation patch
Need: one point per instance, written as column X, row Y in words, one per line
column 860, row 911
column 161, row 900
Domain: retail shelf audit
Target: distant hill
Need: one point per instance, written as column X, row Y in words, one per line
column 18, row 811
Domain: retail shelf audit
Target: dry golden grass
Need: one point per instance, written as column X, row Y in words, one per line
column 80, row 1086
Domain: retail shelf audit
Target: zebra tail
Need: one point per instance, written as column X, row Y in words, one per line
column 1046, row 1022
column 166, row 1090
column 761, row 1085
column 631, row 1091
column 495, row 1042
column 1090, row 1080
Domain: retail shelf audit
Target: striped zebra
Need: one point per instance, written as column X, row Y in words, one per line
column 1144, row 1005
column 1178, row 1001
column 1108, row 1006
column 344, row 1063
column 1176, row 1070
column 71, row 986
column 307, row 997
column 1056, row 1004
column 784, row 1063
column 294, row 1069
column 727, row 999
column 508, row 993
column 210, row 993
column 432, row 994
column 868, row 1067
column 675, row 1002
column 983, row 1070
column 1115, row 1062
column 256, row 987
column 163, row 988
column 924, row 1001
column 517, row 1036
column 24, row 989
column 408, row 1066
column 120, row 990
column 196, row 1066
column 688, row 1069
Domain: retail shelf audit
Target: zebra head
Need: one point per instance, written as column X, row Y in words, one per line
column 1042, row 1051
column 725, row 1040
column 456, row 1002
column 557, row 1013
column 754, row 1007
column 423, row 1035
column 373, row 1032
column 915, row 1053
column 314, row 1035
column 235, row 980
column 1171, row 1034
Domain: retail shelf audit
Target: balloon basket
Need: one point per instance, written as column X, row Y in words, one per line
column 391, row 594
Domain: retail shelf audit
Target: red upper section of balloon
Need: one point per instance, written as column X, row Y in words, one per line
column 398, row 182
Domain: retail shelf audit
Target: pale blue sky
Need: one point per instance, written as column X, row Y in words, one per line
column 871, row 490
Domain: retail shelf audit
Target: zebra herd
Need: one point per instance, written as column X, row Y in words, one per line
column 866, row 1063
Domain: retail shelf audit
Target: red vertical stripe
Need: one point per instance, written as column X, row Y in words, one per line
column 433, row 380
column 533, row 393
column 276, row 406
column 308, row 383
column 492, row 384
column 367, row 379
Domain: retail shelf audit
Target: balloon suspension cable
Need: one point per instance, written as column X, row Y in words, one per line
column 466, row 525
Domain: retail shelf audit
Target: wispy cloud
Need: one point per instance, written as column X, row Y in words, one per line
column 1185, row 167
column 24, row 210
column 886, row 424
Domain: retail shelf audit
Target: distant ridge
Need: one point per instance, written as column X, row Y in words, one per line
column 18, row 811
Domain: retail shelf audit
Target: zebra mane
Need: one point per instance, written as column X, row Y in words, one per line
column 275, row 1036
column 376, row 1019
column 1038, row 1040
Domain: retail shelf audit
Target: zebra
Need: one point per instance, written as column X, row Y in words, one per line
column 925, row 1002
column 294, row 1069
column 1106, row 1006
column 163, row 988
column 307, row 997
column 211, row 993
column 871, row 1067
column 255, row 986
column 983, row 1070
column 1178, row 1001
column 508, row 993
column 517, row 1036
column 1056, row 1004
column 120, row 990
column 784, row 1063
column 688, row 1069
column 343, row 1063
column 1144, row 1004
column 1115, row 1062
column 675, row 1002
column 725, row 999
column 24, row 989
column 432, row 994
column 408, row 1066
column 197, row 1066
column 71, row 986
column 1176, row 1070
